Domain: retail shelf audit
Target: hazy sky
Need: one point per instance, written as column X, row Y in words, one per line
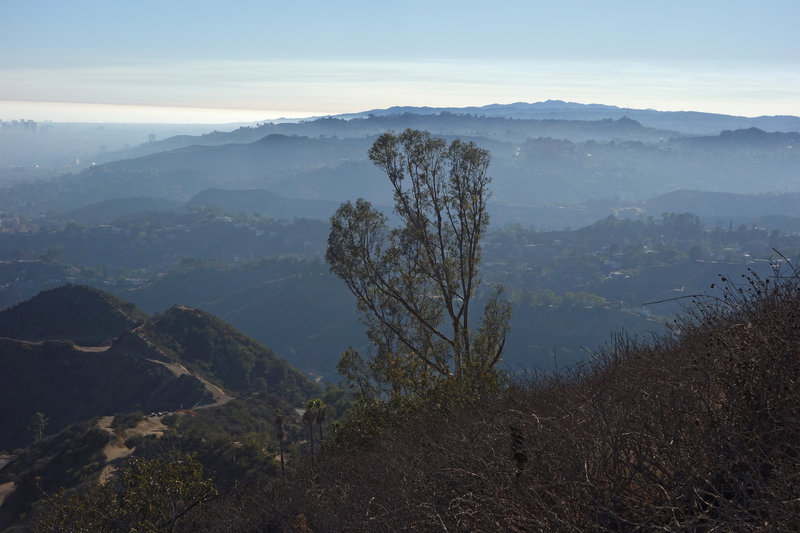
column 214, row 61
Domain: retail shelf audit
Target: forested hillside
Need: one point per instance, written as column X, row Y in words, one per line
column 86, row 316
column 220, row 352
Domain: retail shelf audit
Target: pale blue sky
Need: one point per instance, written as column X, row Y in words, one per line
column 213, row 61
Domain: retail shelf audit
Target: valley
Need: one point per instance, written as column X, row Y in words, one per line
column 186, row 277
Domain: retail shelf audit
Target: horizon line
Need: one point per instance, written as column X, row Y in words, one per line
column 216, row 116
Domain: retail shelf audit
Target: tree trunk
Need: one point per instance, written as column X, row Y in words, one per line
column 283, row 468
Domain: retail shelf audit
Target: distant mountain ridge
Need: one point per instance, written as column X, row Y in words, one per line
column 687, row 122
column 750, row 138
column 110, row 210
column 248, row 201
column 725, row 205
column 533, row 170
column 538, row 161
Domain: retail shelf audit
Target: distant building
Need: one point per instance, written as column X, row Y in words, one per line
column 29, row 125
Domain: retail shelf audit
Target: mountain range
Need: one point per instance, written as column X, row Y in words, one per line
column 531, row 174
column 680, row 121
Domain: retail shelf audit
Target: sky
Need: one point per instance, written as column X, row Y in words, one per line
column 213, row 62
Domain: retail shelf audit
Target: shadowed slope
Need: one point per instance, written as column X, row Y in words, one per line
column 84, row 315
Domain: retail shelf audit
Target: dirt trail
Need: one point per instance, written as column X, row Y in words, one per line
column 5, row 490
column 116, row 449
column 79, row 348
column 95, row 349
column 219, row 395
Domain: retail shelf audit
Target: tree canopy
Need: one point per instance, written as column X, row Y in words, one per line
column 415, row 283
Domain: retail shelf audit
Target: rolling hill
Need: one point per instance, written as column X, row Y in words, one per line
column 181, row 358
column 116, row 208
column 81, row 314
column 217, row 350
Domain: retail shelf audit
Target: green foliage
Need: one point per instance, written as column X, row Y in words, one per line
column 140, row 440
column 414, row 283
column 121, row 422
column 309, row 417
column 146, row 495
column 36, row 426
column 235, row 442
column 358, row 375
column 337, row 398
column 316, row 412
column 369, row 418
column 68, row 458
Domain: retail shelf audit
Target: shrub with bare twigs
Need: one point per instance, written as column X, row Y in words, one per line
column 697, row 430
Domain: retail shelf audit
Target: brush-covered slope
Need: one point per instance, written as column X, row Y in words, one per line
column 86, row 316
column 696, row 431
column 72, row 457
column 68, row 384
column 209, row 345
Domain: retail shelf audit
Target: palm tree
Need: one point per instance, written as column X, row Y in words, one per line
column 310, row 416
column 322, row 412
column 36, row 426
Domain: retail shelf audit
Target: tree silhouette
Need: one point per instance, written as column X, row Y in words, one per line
column 322, row 412
column 415, row 284
column 281, row 434
column 36, row 425
column 310, row 416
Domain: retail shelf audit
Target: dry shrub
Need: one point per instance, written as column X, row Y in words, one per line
column 694, row 431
